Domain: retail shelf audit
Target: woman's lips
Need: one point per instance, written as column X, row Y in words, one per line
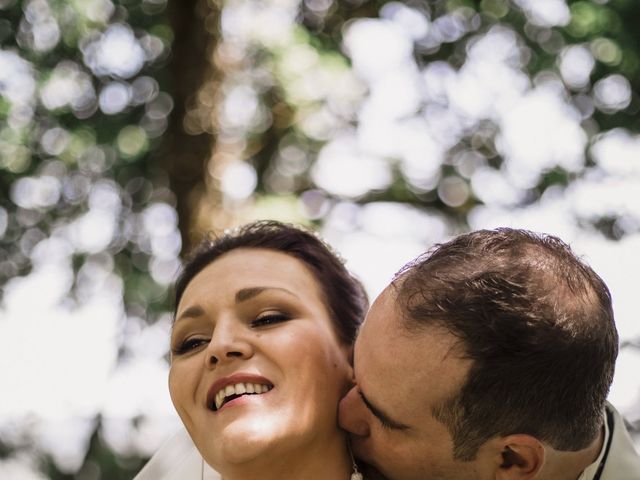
column 233, row 387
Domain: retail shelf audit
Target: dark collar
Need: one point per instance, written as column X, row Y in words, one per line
column 607, row 447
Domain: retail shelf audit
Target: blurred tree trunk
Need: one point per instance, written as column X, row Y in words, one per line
column 188, row 142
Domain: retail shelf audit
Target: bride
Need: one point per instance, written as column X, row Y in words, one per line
column 264, row 324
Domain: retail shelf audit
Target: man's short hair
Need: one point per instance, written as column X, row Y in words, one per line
column 536, row 322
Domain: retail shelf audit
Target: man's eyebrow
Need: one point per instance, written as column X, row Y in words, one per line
column 383, row 417
column 248, row 293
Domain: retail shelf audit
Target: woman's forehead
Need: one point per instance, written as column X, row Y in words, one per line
column 246, row 268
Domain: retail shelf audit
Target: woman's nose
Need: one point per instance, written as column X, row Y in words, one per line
column 229, row 341
column 353, row 415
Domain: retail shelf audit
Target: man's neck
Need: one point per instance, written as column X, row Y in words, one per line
column 570, row 465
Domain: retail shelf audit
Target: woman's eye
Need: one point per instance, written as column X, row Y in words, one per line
column 269, row 319
column 189, row 344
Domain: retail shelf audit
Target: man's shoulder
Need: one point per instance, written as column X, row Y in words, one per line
column 623, row 459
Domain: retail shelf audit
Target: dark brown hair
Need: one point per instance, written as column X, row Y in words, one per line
column 344, row 296
column 537, row 324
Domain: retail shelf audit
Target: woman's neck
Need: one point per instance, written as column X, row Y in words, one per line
column 317, row 461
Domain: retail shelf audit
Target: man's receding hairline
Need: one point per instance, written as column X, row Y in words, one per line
column 407, row 326
column 573, row 287
column 413, row 328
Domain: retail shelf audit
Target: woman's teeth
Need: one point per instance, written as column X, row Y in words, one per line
column 238, row 389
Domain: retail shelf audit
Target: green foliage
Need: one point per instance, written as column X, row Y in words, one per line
column 69, row 150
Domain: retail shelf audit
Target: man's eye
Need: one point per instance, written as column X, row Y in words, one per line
column 386, row 425
column 269, row 319
column 189, row 345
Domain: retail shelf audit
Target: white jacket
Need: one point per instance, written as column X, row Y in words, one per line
column 619, row 457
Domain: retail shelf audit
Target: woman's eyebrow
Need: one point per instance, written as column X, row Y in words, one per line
column 242, row 295
column 191, row 312
column 248, row 293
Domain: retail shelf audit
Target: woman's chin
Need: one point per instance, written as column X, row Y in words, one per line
column 242, row 442
column 234, row 454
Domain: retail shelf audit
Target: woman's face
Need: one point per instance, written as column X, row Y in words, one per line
column 254, row 320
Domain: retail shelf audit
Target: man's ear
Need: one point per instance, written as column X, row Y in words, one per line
column 523, row 457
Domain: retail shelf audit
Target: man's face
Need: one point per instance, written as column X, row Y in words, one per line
column 400, row 377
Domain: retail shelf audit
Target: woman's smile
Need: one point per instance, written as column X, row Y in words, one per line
column 229, row 390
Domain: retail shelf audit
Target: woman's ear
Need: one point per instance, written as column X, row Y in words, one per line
column 350, row 349
column 347, row 350
column 522, row 457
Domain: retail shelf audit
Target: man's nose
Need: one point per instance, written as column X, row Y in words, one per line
column 353, row 415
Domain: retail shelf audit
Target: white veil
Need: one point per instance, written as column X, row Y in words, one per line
column 177, row 459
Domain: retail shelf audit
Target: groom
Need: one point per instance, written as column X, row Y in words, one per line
column 490, row 357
